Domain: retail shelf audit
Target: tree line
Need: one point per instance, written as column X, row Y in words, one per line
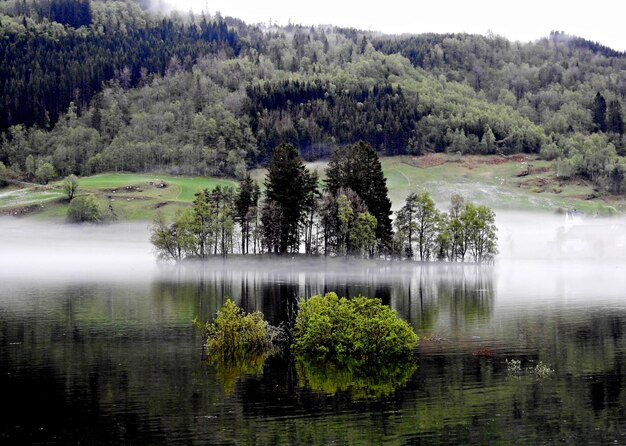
column 196, row 94
column 349, row 215
column 44, row 65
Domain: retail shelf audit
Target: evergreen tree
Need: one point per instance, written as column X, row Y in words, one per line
column 599, row 113
column 615, row 121
column 357, row 167
column 285, row 195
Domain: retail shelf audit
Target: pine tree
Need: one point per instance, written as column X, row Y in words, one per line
column 285, row 196
column 599, row 113
column 357, row 167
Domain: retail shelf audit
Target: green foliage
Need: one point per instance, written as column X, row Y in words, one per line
column 615, row 120
column 238, row 343
column 151, row 95
column 358, row 333
column 235, row 332
column 246, row 203
column 287, row 187
column 362, row 236
column 45, row 172
column 171, row 241
column 3, row 174
column 479, row 232
column 70, row 186
column 599, row 113
column 357, row 167
column 419, row 219
column 84, row 209
column 118, row 45
column 204, row 230
column 426, row 233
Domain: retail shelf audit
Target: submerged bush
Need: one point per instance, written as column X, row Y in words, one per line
column 357, row 332
column 238, row 343
column 235, row 332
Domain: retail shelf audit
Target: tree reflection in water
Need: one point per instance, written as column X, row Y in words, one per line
column 361, row 382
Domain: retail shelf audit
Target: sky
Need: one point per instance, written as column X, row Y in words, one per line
column 598, row 20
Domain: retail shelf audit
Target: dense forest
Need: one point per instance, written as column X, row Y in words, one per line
column 90, row 86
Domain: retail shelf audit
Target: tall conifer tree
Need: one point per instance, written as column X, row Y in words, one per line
column 357, row 167
column 285, row 198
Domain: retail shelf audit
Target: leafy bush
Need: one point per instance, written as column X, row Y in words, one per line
column 238, row 343
column 84, row 209
column 358, row 332
column 70, row 186
column 3, row 174
column 45, row 173
column 235, row 333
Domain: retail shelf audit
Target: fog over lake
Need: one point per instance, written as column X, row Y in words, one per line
column 98, row 332
column 544, row 246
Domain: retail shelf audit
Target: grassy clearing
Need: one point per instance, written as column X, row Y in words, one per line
column 127, row 196
column 181, row 189
column 492, row 180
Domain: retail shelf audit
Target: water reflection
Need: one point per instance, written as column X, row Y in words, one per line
column 361, row 383
column 112, row 362
column 233, row 369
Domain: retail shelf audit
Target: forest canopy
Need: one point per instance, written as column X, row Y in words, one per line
column 91, row 86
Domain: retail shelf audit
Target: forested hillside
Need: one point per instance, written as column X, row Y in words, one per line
column 97, row 86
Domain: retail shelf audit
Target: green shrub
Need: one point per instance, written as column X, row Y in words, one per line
column 84, row 209
column 45, row 172
column 238, row 343
column 357, row 332
column 70, row 186
column 235, row 333
column 3, row 174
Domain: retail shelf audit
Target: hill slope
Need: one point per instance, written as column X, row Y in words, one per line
column 131, row 90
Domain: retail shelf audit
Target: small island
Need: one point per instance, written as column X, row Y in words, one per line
column 350, row 215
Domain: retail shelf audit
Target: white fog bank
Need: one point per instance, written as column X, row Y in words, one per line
column 43, row 250
column 32, row 250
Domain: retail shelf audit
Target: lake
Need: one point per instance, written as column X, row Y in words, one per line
column 97, row 345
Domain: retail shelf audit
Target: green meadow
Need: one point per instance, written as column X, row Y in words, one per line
column 520, row 183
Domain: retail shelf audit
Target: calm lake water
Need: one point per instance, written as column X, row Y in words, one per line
column 97, row 347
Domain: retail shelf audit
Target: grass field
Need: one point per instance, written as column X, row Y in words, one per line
column 127, row 196
column 494, row 181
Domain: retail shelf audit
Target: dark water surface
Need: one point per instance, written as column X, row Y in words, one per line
column 91, row 359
